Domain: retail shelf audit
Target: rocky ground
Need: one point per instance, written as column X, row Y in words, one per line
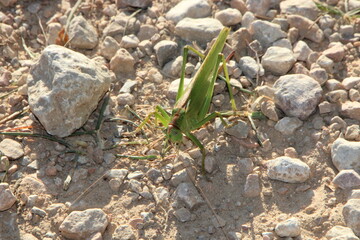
column 62, row 177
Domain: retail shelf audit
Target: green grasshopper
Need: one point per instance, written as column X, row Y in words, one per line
column 192, row 104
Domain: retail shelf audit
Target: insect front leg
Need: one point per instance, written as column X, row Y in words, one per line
column 202, row 149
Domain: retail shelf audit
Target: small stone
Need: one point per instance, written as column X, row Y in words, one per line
column 135, row 175
column 319, row 74
column 247, row 19
column 288, row 169
column 259, row 7
column 109, row 158
column 335, row 53
column 325, row 107
column 155, row 76
column 187, row 193
column 278, row 60
column 7, row 198
column 239, row 5
column 122, row 62
column 245, row 165
column 134, row 3
column 350, row 110
column 346, row 31
column 326, row 63
column 351, row 213
column 234, row 236
column 354, row 194
column 154, row 175
column 288, row 125
column 297, row 95
column 346, row 179
column 306, row 27
column 190, row 9
column 180, row 177
column 326, row 21
column 218, row 221
column 146, row 32
column 341, row 232
column 284, row 43
column 345, row 154
column 11, row 149
column 240, row 130
column 252, row 186
column 201, row 30
column 351, row 82
column 266, row 33
column 268, row 108
column 167, row 171
column 306, row 8
column 249, row 66
column 229, row 16
column 161, row 195
column 83, row 224
column 173, row 68
column 82, row 34
column 182, row 215
column 38, row 211
column 288, row 228
column 354, row 95
column 135, row 186
column 125, row 99
column 210, row 164
column 352, row 132
column 116, row 173
column 337, row 96
column 123, row 232
column 165, row 51
column 282, row 22
column 129, row 41
column 115, row 184
column 301, row 51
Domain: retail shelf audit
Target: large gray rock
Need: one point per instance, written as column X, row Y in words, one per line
column 297, row 95
column 202, row 30
column 306, row 8
column 278, row 60
column 351, row 213
column 345, row 154
column 64, row 88
column 82, row 34
column 189, row 8
column 266, row 32
column 286, row 169
column 83, row 224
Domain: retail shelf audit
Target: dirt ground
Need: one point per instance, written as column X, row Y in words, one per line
column 316, row 203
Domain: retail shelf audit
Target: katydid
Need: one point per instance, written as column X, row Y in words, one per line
column 192, row 104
